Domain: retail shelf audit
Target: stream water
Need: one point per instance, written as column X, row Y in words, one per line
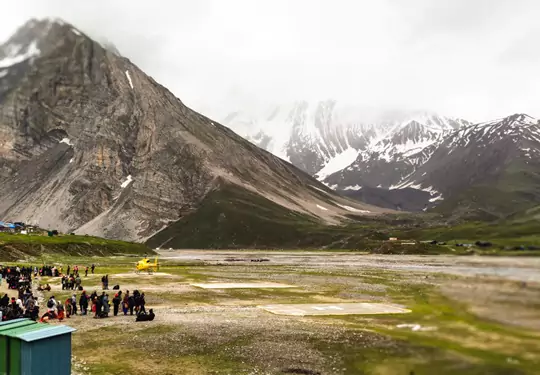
column 513, row 268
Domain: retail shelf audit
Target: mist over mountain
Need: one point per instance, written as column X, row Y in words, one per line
column 393, row 160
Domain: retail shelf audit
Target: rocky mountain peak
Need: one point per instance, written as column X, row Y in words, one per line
column 89, row 142
column 34, row 38
column 520, row 119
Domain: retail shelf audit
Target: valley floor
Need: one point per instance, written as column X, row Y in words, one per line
column 470, row 315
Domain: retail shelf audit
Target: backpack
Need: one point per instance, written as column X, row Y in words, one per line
column 50, row 304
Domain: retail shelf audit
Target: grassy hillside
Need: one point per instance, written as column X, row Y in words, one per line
column 516, row 189
column 232, row 218
column 13, row 246
column 504, row 235
column 235, row 218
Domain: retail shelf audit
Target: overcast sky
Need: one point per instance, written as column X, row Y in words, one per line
column 476, row 59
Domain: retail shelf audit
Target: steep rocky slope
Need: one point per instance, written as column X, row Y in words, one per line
column 89, row 142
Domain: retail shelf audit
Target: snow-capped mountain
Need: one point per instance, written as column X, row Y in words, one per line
column 409, row 161
column 492, row 145
column 396, row 153
column 493, row 166
column 34, row 39
column 327, row 137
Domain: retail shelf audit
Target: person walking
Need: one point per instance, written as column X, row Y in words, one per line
column 93, row 267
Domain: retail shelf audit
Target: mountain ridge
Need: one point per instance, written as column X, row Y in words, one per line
column 324, row 137
column 91, row 143
column 387, row 158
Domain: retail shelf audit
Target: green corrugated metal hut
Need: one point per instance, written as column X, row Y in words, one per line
column 28, row 348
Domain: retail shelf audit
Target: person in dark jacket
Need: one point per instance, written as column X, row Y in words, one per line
column 143, row 317
column 142, row 302
column 4, row 302
column 131, row 304
column 116, row 302
column 83, row 303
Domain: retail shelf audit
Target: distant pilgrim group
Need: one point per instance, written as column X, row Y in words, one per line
column 26, row 306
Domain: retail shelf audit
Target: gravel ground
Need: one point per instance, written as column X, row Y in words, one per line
column 199, row 331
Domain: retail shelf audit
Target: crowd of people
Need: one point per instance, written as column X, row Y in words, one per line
column 98, row 305
column 15, row 277
column 14, row 308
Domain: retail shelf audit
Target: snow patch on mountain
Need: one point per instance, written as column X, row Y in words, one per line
column 129, row 79
column 128, row 181
column 436, row 198
column 14, row 57
column 355, row 187
column 66, row 141
column 417, row 186
column 352, row 209
column 338, row 162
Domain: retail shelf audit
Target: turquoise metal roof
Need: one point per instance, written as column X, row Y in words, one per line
column 14, row 324
column 12, row 321
column 28, row 330
column 42, row 333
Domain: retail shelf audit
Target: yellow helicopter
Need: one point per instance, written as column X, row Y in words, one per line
column 145, row 265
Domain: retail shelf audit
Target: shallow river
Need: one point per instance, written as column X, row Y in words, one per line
column 517, row 268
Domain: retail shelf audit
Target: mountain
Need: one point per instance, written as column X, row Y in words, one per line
column 90, row 143
column 487, row 170
column 326, row 137
column 405, row 161
column 492, row 167
column 396, row 154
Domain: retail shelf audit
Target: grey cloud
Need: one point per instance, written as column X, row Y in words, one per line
column 524, row 50
column 451, row 56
